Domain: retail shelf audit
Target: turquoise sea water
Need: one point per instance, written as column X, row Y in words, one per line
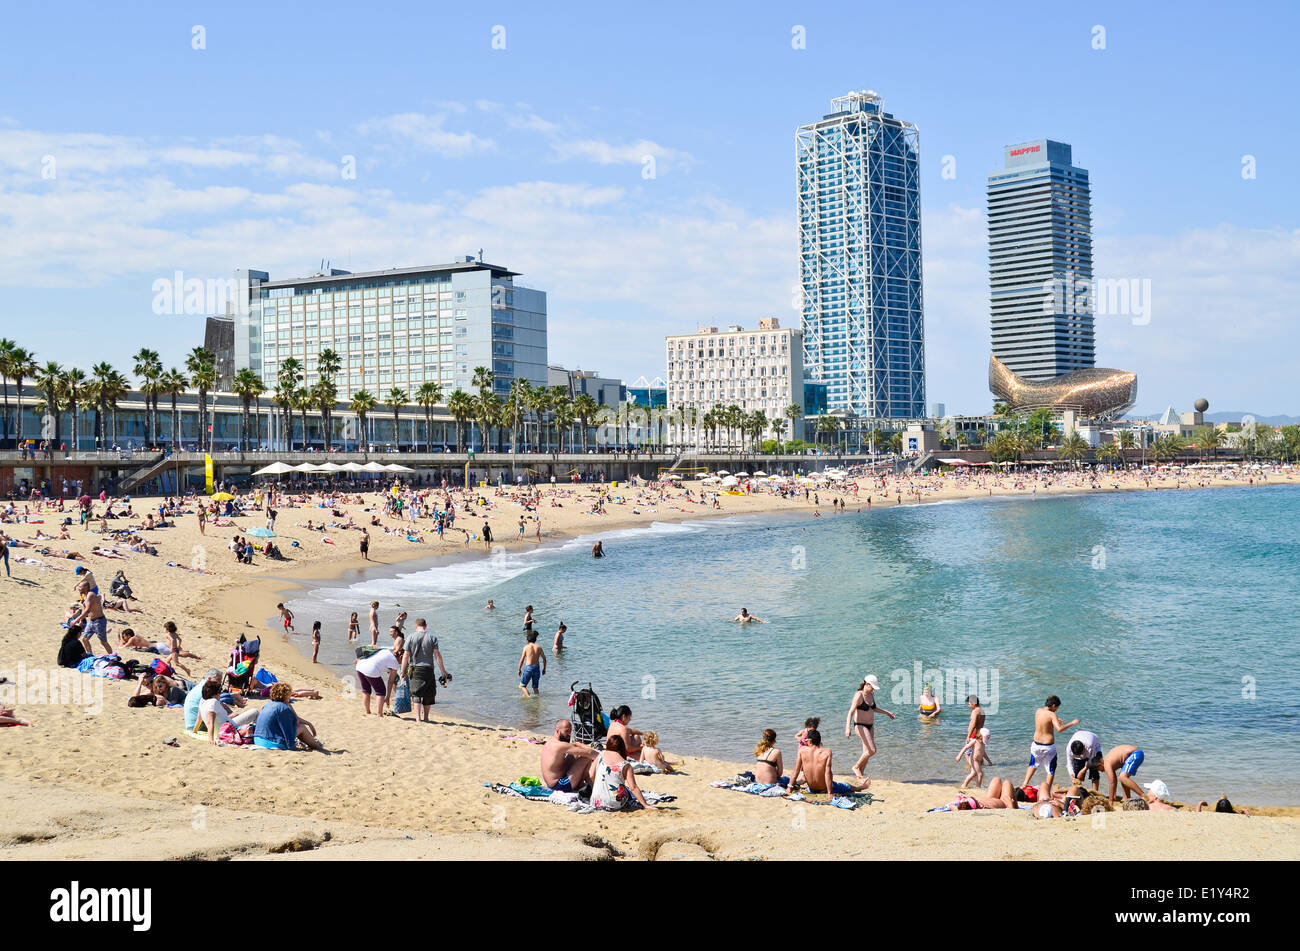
column 1163, row 619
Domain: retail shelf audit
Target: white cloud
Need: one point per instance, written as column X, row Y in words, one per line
column 426, row 132
column 606, row 153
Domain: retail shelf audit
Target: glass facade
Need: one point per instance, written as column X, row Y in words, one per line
column 1040, row 261
column 859, row 218
column 398, row 328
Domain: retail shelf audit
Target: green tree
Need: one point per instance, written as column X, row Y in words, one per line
column 461, row 406
column 247, row 385
column 363, row 403
column 396, row 399
column 427, row 397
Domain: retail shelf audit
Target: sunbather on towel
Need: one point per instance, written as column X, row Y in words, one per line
column 814, row 768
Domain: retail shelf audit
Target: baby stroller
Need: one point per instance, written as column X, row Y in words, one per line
column 589, row 723
column 243, row 664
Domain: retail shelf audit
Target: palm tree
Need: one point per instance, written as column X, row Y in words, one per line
column 324, row 394
column 98, row 390
column 1167, row 447
column 7, row 349
column 586, row 409
column 461, row 406
column 516, row 406
column 287, row 379
column 74, row 391
column 302, row 402
column 362, row 403
column 173, row 384
column 201, row 366
column 396, row 399
column 1072, row 447
column 328, row 364
column 247, row 385
column 565, row 414
column 1109, row 452
column 148, row 368
column 22, row 366
column 428, row 396
column 793, row 412
column 1207, row 437
column 49, row 380
column 115, row 387
column 777, row 426
column 827, row 424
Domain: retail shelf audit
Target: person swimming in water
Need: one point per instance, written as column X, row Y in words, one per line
column 929, row 707
column 744, row 617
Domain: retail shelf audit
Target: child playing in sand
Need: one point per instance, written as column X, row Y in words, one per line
column 651, row 754
column 286, row 619
column 976, row 753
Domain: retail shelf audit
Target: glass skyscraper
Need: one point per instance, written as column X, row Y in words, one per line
column 859, row 211
column 1040, row 261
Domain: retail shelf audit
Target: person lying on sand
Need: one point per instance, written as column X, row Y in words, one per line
column 7, row 718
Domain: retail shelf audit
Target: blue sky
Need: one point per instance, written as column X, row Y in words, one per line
column 165, row 158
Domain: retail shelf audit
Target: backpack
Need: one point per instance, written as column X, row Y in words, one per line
column 160, row 666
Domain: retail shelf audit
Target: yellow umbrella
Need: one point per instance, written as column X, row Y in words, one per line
column 223, row 497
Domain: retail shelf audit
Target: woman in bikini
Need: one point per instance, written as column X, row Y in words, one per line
column 767, row 758
column 862, row 718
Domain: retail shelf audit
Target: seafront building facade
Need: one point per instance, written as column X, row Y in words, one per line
column 396, row 328
column 1040, row 261
column 859, row 220
column 754, row 369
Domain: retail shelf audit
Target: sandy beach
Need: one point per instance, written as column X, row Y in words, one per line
column 89, row 776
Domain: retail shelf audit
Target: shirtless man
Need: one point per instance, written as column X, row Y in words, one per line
column 567, row 766
column 532, row 664
column 1121, row 765
column 744, row 617
column 813, row 766
column 92, row 615
column 976, row 716
column 1042, row 751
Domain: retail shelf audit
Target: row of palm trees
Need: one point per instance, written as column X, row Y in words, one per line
column 544, row 415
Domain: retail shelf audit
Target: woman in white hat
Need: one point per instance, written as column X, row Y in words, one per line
column 862, row 718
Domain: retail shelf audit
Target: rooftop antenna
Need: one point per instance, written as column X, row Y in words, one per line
column 480, row 255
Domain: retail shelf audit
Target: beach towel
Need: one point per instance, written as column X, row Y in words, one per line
column 773, row 790
column 575, row 804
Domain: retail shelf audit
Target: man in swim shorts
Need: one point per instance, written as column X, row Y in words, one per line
column 567, row 766
column 92, row 615
column 1121, row 765
column 1042, row 751
column 532, row 664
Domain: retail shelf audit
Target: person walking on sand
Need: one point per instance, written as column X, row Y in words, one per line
column 1042, row 751
column 532, row 664
column 374, row 623
column 862, row 719
column 418, row 667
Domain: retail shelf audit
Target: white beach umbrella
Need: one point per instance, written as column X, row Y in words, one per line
column 729, row 481
column 722, row 472
column 330, row 467
column 351, row 467
column 760, row 473
column 306, row 467
column 373, row 467
column 742, row 475
column 275, row 468
column 394, row 467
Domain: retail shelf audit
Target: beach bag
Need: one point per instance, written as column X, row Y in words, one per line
column 160, row 666
column 228, row 734
column 402, row 696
